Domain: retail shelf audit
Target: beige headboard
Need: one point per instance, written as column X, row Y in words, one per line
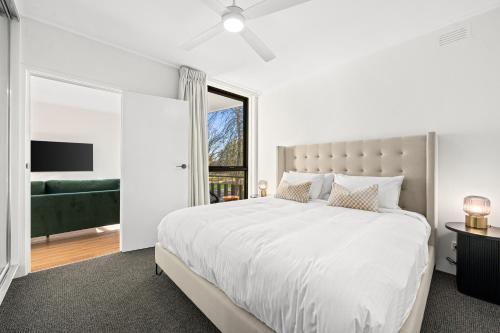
column 411, row 156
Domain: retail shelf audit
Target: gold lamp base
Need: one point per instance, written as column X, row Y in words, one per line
column 263, row 193
column 478, row 222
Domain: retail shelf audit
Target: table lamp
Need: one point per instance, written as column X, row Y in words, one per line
column 263, row 188
column 477, row 208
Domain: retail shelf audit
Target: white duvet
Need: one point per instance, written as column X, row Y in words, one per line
column 305, row 267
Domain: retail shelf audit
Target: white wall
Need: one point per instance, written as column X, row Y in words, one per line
column 408, row 89
column 55, row 52
column 51, row 122
column 48, row 48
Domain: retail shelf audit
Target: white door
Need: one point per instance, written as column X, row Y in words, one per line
column 154, row 146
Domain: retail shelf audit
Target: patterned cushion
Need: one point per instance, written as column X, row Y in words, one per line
column 364, row 199
column 295, row 192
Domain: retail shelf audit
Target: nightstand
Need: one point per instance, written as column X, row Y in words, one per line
column 478, row 261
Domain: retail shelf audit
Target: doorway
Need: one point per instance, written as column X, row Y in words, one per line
column 75, row 172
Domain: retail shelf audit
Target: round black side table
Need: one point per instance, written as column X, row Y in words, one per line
column 478, row 261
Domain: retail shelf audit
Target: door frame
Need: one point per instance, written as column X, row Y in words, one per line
column 10, row 15
column 25, row 189
column 244, row 168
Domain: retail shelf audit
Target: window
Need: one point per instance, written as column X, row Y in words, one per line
column 227, row 144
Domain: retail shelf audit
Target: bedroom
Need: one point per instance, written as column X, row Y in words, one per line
column 342, row 72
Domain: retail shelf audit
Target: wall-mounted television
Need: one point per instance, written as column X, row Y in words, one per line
column 49, row 156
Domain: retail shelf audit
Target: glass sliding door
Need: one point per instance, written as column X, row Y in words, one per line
column 227, row 145
column 4, row 138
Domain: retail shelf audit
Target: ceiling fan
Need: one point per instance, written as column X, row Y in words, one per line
column 234, row 18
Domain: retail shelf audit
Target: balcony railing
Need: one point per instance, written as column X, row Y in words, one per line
column 227, row 188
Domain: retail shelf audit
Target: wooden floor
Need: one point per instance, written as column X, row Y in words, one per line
column 71, row 247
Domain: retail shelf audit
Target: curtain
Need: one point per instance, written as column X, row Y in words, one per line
column 193, row 88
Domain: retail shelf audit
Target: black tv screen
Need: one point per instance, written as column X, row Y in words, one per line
column 61, row 156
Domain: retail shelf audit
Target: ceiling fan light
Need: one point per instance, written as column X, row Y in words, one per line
column 233, row 22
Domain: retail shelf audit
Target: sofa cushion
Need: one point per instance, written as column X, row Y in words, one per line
column 73, row 186
column 37, row 187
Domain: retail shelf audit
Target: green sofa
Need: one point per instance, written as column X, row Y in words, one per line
column 68, row 205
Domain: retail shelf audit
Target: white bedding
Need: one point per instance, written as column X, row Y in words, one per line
column 305, row 267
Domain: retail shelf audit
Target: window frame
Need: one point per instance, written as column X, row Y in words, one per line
column 244, row 167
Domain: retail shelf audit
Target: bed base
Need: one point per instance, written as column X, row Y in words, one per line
column 228, row 317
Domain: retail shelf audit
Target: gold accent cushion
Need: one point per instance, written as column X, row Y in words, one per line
column 295, row 192
column 363, row 199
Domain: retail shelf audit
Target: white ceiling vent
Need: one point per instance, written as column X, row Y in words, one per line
column 454, row 35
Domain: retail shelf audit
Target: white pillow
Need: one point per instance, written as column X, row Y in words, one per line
column 389, row 188
column 302, row 177
column 327, row 186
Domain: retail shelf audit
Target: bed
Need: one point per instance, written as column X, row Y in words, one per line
column 264, row 265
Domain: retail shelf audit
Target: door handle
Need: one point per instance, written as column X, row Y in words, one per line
column 182, row 166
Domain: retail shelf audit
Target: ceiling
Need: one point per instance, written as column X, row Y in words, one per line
column 219, row 103
column 74, row 96
column 305, row 38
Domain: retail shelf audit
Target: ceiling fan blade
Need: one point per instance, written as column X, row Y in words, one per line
column 257, row 45
column 203, row 37
column 216, row 6
column 267, row 7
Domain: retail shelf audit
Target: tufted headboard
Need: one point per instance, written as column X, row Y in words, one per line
column 411, row 156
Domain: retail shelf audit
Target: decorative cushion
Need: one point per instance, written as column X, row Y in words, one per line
column 389, row 188
column 295, row 192
column 363, row 199
column 315, row 179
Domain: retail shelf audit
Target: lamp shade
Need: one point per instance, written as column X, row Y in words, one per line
column 262, row 184
column 476, row 205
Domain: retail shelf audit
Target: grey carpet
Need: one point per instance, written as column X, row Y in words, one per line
column 121, row 293
column 448, row 310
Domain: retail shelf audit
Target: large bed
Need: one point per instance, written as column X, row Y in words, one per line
column 267, row 264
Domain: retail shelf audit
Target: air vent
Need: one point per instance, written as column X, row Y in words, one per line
column 453, row 36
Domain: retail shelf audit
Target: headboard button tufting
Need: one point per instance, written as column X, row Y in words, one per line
column 400, row 156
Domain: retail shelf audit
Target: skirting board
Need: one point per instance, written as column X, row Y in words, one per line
column 228, row 317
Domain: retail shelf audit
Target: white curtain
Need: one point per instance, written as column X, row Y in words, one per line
column 193, row 88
